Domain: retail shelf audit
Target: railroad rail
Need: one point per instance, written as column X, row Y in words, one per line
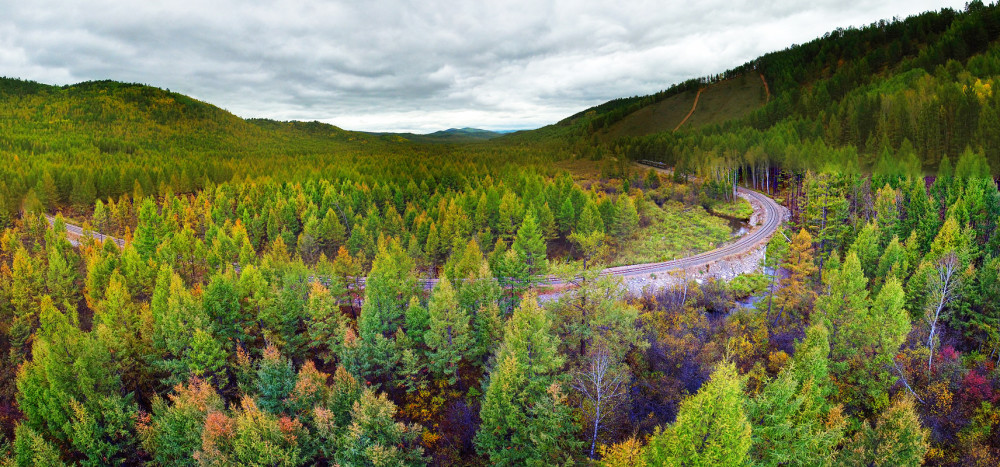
column 765, row 208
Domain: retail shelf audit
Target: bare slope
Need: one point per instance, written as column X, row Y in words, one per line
column 728, row 100
column 720, row 102
column 661, row 116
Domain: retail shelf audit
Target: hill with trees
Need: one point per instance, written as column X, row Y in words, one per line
column 232, row 327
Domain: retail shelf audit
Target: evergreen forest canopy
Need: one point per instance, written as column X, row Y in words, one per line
column 233, row 328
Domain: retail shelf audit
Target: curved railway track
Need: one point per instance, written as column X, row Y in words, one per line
column 769, row 210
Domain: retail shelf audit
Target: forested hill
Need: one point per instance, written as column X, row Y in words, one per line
column 110, row 117
column 895, row 96
column 101, row 139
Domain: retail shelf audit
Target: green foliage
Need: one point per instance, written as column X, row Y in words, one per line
column 711, row 428
column 896, row 439
column 30, row 448
column 175, row 429
column 524, row 416
column 448, row 337
column 530, row 246
column 792, row 421
column 375, row 438
column 275, row 381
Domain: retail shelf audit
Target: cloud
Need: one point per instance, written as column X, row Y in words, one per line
column 398, row 65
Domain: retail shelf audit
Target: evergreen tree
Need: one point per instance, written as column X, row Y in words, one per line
column 626, row 223
column 448, row 337
column 375, row 438
column 530, row 246
column 796, row 294
column 896, row 439
column 566, row 217
column 711, row 428
column 524, row 416
column 174, row 431
column 792, row 421
column 149, row 230
column 868, row 248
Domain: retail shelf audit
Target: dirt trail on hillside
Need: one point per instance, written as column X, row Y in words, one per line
column 766, row 89
column 693, row 106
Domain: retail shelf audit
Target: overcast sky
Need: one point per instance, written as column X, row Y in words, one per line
column 419, row 66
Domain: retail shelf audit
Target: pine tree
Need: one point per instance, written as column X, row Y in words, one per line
column 524, row 417
column 530, row 246
column 448, row 337
column 887, row 214
column 792, row 421
column 68, row 367
column 387, row 290
column 590, row 220
column 275, row 381
column 31, row 448
column 148, row 232
column 896, row 439
column 626, row 223
column 893, row 262
column 566, row 217
column 711, row 428
column 796, row 294
column 843, row 308
column 868, row 248
column 327, row 327
column 174, row 431
column 375, row 438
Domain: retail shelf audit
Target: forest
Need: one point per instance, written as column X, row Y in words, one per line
column 268, row 305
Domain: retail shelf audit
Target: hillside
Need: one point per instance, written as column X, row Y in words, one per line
column 291, row 293
column 717, row 103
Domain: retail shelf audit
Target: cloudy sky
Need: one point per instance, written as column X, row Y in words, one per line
column 389, row 65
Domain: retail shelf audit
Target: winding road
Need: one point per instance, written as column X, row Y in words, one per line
column 766, row 210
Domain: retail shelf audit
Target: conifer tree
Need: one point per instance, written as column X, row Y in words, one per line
column 530, row 246
column 791, row 418
column 626, row 223
column 375, row 438
column 448, row 337
column 148, row 233
column 174, row 432
column 387, row 290
column 711, row 428
column 868, row 247
column 524, row 416
column 327, row 327
column 566, row 217
column 896, row 439
column 796, row 294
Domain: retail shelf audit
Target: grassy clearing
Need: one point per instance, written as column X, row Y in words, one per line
column 738, row 209
column 728, row 100
column 675, row 231
column 583, row 171
column 720, row 102
column 746, row 285
column 662, row 116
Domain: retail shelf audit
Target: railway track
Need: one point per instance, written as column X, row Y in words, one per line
column 765, row 208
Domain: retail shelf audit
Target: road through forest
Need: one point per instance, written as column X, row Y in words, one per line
column 766, row 210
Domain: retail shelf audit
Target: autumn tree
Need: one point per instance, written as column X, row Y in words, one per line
column 796, row 295
column 896, row 439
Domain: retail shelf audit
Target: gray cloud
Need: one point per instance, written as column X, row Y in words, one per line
column 402, row 65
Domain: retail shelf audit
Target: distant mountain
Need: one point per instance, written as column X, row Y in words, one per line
column 451, row 135
column 464, row 133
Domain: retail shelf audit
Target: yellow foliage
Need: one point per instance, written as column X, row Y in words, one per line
column 627, row 453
